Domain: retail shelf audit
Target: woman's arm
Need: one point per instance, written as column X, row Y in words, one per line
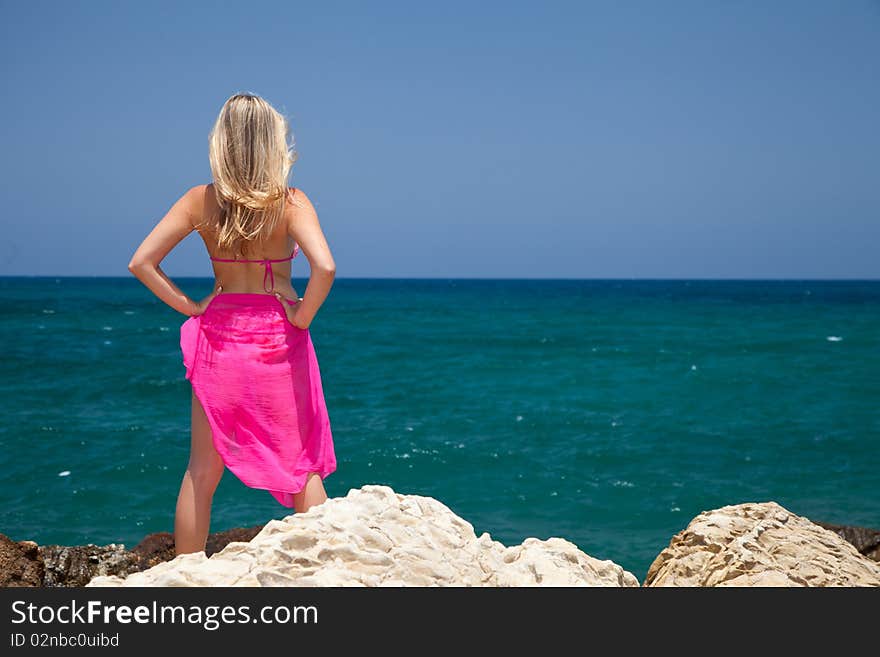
column 306, row 230
column 173, row 227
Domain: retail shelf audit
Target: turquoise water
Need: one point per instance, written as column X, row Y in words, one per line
column 607, row 412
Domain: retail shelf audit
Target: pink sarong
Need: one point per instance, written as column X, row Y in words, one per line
column 257, row 377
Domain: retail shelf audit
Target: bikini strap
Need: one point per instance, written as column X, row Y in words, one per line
column 267, row 264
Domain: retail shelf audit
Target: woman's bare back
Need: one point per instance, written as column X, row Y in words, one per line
column 249, row 277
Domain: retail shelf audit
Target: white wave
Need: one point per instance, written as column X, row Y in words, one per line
column 834, row 338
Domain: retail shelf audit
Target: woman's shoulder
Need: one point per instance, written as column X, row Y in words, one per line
column 202, row 193
column 299, row 199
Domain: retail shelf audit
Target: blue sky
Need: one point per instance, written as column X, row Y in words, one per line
column 528, row 140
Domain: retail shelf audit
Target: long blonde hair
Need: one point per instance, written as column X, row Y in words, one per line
column 250, row 162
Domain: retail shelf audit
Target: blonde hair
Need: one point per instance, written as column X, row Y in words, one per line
column 250, row 163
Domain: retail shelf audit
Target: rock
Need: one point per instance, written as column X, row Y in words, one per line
column 24, row 563
column 75, row 566
column 376, row 537
column 759, row 544
column 20, row 563
column 866, row 541
column 159, row 547
column 154, row 549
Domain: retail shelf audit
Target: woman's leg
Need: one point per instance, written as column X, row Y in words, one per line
column 192, row 519
column 313, row 493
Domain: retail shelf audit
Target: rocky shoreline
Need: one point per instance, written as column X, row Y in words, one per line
column 376, row 537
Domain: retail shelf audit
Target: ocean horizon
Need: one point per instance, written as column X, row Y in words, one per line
column 608, row 412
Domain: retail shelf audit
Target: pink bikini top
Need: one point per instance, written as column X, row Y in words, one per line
column 267, row 262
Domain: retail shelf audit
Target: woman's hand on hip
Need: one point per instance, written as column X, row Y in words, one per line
column 291, row 309
column 202, row 305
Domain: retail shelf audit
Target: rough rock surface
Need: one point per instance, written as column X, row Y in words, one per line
column 159, row 547
column 716, row 552
column 759, row 544
column 24, row 563
column 20, row 563
column 376, row 537
column 76, row 565
column 866, row 541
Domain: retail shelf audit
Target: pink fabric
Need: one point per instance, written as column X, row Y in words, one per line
column 257, row 377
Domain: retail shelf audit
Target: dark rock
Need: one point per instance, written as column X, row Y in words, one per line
column 158, row 547
column 219, row 540
column 24, row 563
column 76, row 565
column 20, row 563
column 866, row 541
column 154, row 549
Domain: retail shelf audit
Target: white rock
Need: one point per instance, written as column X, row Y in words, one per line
column 376, row 537
column 759, row 544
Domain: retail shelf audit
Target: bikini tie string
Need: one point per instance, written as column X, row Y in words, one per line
column 270, row 274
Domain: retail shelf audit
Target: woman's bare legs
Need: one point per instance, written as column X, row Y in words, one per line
column 192, row 519
column 313, row 493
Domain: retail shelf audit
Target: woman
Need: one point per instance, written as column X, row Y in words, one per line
column 257, row 401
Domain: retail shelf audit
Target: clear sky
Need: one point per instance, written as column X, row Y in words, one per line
column 460, row 139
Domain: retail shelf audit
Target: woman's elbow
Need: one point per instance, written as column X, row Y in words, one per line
column 137, row 267
column 327, row 269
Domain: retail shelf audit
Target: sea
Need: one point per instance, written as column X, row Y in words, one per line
column 605, row 412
